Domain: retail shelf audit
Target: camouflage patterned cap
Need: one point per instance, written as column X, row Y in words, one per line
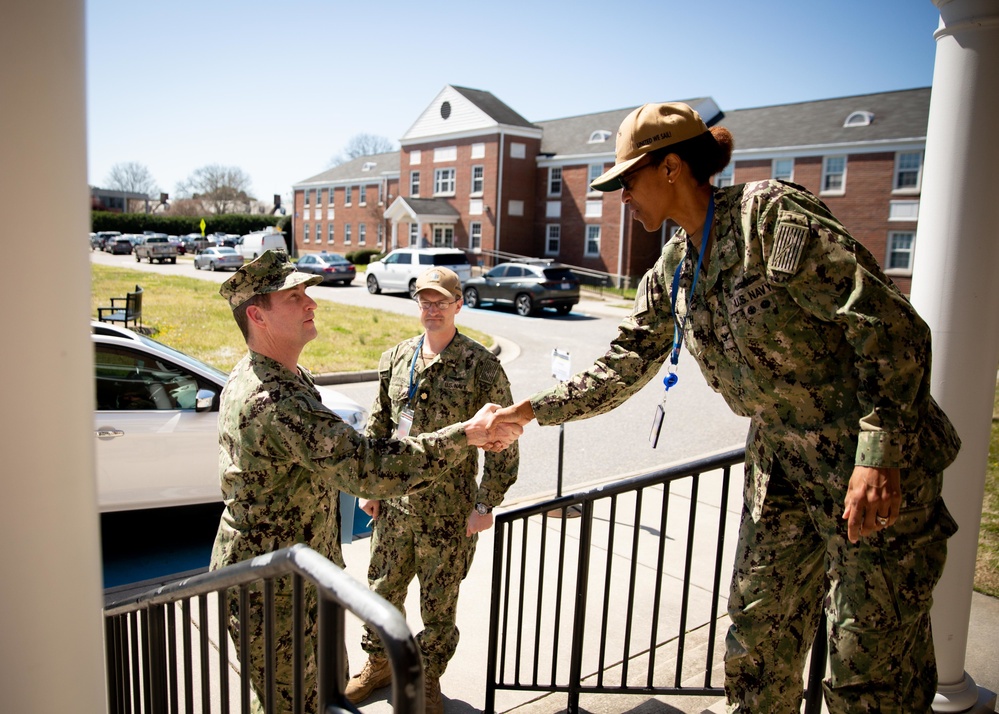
column 650, row 127
column 442, row 280
column 269, row 273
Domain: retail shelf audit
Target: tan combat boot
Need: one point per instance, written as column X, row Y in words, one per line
column 376, row 673
column 432, row 695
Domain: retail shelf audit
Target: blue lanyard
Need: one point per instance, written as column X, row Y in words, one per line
column 412, row 370
column 678, row 326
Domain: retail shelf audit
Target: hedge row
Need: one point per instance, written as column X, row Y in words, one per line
column 236, row 223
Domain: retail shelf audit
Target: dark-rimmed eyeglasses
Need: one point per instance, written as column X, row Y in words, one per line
column 627, row 176
column 428, row 305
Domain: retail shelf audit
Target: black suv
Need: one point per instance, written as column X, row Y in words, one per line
column 527, row 285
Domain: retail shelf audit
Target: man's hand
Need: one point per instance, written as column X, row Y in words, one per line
column 372, row 508
column 521, row 413
column 873, row 500
column 492, row 437
column 478, row 522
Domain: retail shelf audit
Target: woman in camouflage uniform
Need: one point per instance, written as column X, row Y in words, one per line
column 796, row 325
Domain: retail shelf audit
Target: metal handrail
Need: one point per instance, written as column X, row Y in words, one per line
column 143, row 658
column 527, row 611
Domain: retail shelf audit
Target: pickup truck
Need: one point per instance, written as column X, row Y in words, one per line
column 155, row 248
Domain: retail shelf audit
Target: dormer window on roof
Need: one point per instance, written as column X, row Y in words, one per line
column 859, row 118
column 368, row 166
column 600, row 136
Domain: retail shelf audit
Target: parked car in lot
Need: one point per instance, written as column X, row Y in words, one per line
column 529, row 286
column 194, row 242
column 156, row 422
column 334, row 268
column 156, row 247
column 397, row 271
column 119, row 246
column 218, row 258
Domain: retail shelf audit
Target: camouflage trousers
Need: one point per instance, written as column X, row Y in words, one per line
column 435, row 550
column 877, row 595
column 254, row 661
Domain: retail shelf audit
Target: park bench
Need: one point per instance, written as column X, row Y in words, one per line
column 123, row 310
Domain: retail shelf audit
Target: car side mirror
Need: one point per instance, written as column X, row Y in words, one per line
column 204, row 400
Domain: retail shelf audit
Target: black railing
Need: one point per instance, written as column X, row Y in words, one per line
column 646, row 557
column 161, row 656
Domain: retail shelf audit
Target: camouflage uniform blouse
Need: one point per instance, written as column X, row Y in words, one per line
column 452, row 387
column 797, row 327
column 283, row 457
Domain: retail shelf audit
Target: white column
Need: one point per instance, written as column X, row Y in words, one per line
column 955, row 289
column 50, row 588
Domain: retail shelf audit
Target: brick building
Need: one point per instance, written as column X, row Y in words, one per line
column 474, row 174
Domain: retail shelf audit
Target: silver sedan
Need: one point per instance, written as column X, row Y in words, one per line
column 218, row 258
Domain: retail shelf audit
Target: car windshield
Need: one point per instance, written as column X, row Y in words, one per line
column 333, row 258
column 184, row 359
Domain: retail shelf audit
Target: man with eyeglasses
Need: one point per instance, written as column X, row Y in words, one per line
column 426, row 382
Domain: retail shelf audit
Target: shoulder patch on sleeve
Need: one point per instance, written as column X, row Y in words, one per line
column 488, row 372
column 789, row 243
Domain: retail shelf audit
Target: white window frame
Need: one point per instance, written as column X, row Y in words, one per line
column 553, row 239
column 346, row 234
column 478, row 179
column 445, row 153
column 475, row 235
column 593, row 172
column 903, row 210
column 305, row 234
column 308, row 197
column 362, row 233
column 775, row 169
column 891, row 250
column 444, row 182
column 554, row 180
column 475, row 207
column 725, row 177
column 319, row 232
column 362, row 195
column 905, row 171
column 478, row 150
column 414, row 234
column 592, row 244
column 330, row 233
column 832, row 174
column 348, row 195
column 594, row 209
column 414, row 184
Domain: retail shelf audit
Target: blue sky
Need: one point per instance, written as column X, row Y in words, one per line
column 277, row 88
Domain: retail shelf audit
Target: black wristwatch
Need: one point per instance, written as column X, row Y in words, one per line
column 482, row 509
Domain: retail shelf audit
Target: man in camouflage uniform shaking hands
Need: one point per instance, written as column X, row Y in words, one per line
column 427, row 382
column 284, row 457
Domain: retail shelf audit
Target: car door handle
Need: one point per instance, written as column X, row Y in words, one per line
column 106, row 432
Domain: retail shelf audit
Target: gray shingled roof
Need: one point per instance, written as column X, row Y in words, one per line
column 353, row 169
column 430, row 206
column 571, row 136
column 492, row 106
column 897, row 115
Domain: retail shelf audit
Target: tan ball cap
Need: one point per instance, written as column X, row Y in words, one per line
column 650, row 127
column 442, row 280
column 269, row 273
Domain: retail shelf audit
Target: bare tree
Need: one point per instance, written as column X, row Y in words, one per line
column 220, row 189
column 132, row 177
column 362, row 145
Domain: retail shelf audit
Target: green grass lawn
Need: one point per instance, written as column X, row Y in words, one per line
column 189, row 314
column 987, row 563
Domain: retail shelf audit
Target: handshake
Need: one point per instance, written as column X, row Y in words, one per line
column 494, row 427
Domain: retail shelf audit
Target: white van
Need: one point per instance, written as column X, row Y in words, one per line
column 254, row 244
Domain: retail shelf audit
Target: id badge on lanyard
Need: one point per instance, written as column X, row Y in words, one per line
column 671, row 379
column 406, row 415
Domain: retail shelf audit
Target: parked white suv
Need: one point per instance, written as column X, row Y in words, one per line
column 398, row 271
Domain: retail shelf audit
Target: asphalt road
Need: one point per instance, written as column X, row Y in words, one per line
column 598, row 449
